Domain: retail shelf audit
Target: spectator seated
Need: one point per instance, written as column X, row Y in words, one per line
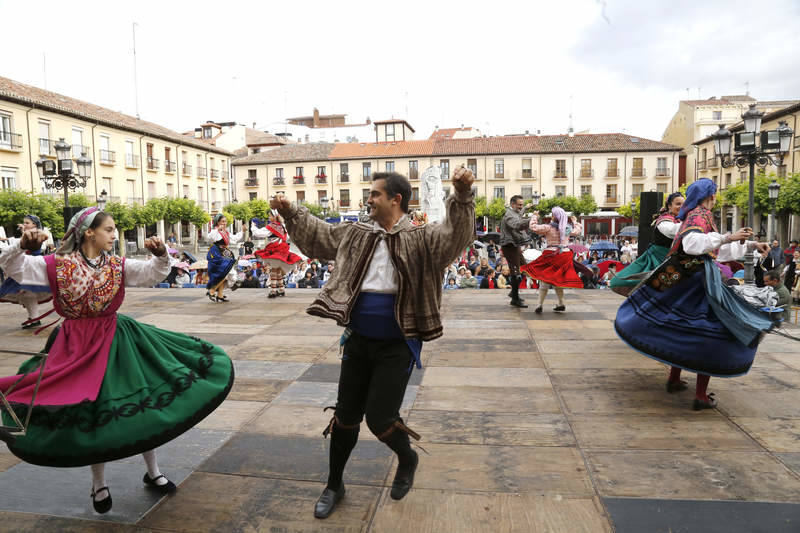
column 163, row 285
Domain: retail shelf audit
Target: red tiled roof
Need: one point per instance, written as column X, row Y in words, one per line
column 516, row 144
column 289, row 153
column 33, row 96
column 446, row 133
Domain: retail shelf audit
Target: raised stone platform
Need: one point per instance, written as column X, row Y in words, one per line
column 531, row 423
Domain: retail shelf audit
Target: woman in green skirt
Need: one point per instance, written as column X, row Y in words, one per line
column 665, row 227
column 110, row 387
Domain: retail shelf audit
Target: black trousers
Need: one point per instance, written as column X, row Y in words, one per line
column 373, row 382
column 513, row 256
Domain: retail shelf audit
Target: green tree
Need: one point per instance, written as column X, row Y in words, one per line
column 184, row 209
column 497, row 208
column 481, row 209
column 238, row 212
column 315, row 209
column 122, row 215
column 14, row 205
column 586, row 205
column 260, row 208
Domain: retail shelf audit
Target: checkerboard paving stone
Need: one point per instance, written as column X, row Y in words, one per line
column 531, row 423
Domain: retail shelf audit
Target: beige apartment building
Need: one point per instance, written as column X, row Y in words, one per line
column 697, row 119
column 132, row 160
column 708, row 165
column 610, row 167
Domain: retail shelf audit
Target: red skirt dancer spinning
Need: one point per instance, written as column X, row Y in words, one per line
column 276, row 253
column 554, row 268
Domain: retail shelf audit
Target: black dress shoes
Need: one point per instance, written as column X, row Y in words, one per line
column 677, row 386
column 701, row 404
column 560, row 308
column 166, row 488
column 516, row 302
column 404, row 479
column 101, row 506
column 327, row 502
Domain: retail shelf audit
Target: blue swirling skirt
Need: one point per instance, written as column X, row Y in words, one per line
column 11, row 291
column 697, row 324
column 220, row 262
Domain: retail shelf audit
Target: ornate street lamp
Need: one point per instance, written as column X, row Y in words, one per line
column 747, row 152
column 61, row 175
column 773, row 188
column 102, row 200
column 633, row 214
column 323, row 202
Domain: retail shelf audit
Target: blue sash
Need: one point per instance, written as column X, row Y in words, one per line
column 373, row 317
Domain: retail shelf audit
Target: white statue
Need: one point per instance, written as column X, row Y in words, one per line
column 433, row 195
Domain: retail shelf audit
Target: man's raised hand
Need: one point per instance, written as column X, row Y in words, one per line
column 462, row 179
column 279, row 202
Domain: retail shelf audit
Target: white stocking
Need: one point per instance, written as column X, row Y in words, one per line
column 99, row 480
column 31, row 304
column 152, row 467
column 560, row 295
column 543, row 288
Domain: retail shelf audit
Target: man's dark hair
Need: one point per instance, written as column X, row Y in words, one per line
column 395, row 184
column 772, row 274
column 514, row 199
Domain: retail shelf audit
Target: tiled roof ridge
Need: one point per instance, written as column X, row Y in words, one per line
column 94, row 113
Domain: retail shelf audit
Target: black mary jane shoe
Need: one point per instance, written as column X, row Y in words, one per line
column 272, row 294
column 516, row 302
column 677, row 386
column 327, row 501
column 538, row 310
column 404, row 479
column 223, row 299
column 211, row 297
column 560, row 308
column 167, row 488
column 101, row 506
column 30, row 325
column 699, row 404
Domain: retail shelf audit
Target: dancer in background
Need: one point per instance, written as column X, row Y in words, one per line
column 110, row 387
column 665, row 227
column 513, row 235
column 221, row 260
column 28, row 296
column 554, row 268
column 683, row 314
column 276, row 253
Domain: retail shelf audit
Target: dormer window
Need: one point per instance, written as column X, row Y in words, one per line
column 207, row 132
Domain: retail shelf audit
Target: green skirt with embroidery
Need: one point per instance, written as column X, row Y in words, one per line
column 647, row 262
column 157, row 385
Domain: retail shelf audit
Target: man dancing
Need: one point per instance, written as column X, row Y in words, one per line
column 513, row 234
column 386, row 291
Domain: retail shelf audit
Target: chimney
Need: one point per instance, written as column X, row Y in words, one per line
column 316, row 118
column 254, row 125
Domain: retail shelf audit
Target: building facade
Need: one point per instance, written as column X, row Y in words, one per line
column 610, row 167
column 132, row 160
column 697, row 119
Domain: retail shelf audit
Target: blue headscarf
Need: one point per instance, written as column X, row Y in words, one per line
column 35, row 220
column 695, row 194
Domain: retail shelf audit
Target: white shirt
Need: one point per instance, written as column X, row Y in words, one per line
column 703, row 243
column 668, row 229
column 214, row 235
column 32, row 270
column 381, row 275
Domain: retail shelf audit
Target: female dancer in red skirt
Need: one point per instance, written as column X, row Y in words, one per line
column 554, row 267
column 276, row 253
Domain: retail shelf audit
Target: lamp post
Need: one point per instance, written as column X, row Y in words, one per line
column 323, row 202
column 102, row 200
column 633, row 212
column 61, row 174
column 771, row 148
column 773, row 188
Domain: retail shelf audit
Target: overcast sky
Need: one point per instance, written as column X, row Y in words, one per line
column 503, row 67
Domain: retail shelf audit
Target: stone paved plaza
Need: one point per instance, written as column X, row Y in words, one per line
column 531, row 423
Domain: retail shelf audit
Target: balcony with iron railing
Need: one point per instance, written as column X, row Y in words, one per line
column 559, row 174
column 366, row 178
column 413, row 174
column 153, row 164
column 47, row 146
column 612, row 172
column 322, row 179
column 277, row 180
column 298, row 180
column 108, row 157
column 201, row 172
column 214, row 174
column 170, row 166
column 186, row 170
column 701, row 165
column 638, row 172
column 499, row 175
column 79, row 149
column 131, row 161
column 11, row 142
column 587, row 173
column 527, row 174
column 225, row 174
column 215, row 206
column 712, row 162
column 663, row 172
column 612, row 200
column 344, row 178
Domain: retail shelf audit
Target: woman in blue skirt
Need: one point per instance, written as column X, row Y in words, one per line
column 684, row 315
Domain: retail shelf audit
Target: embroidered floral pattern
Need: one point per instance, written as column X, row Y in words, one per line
column 674, row 271
column 84, row 291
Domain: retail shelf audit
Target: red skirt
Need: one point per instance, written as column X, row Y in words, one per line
column 555, row 268
column 278, row 250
